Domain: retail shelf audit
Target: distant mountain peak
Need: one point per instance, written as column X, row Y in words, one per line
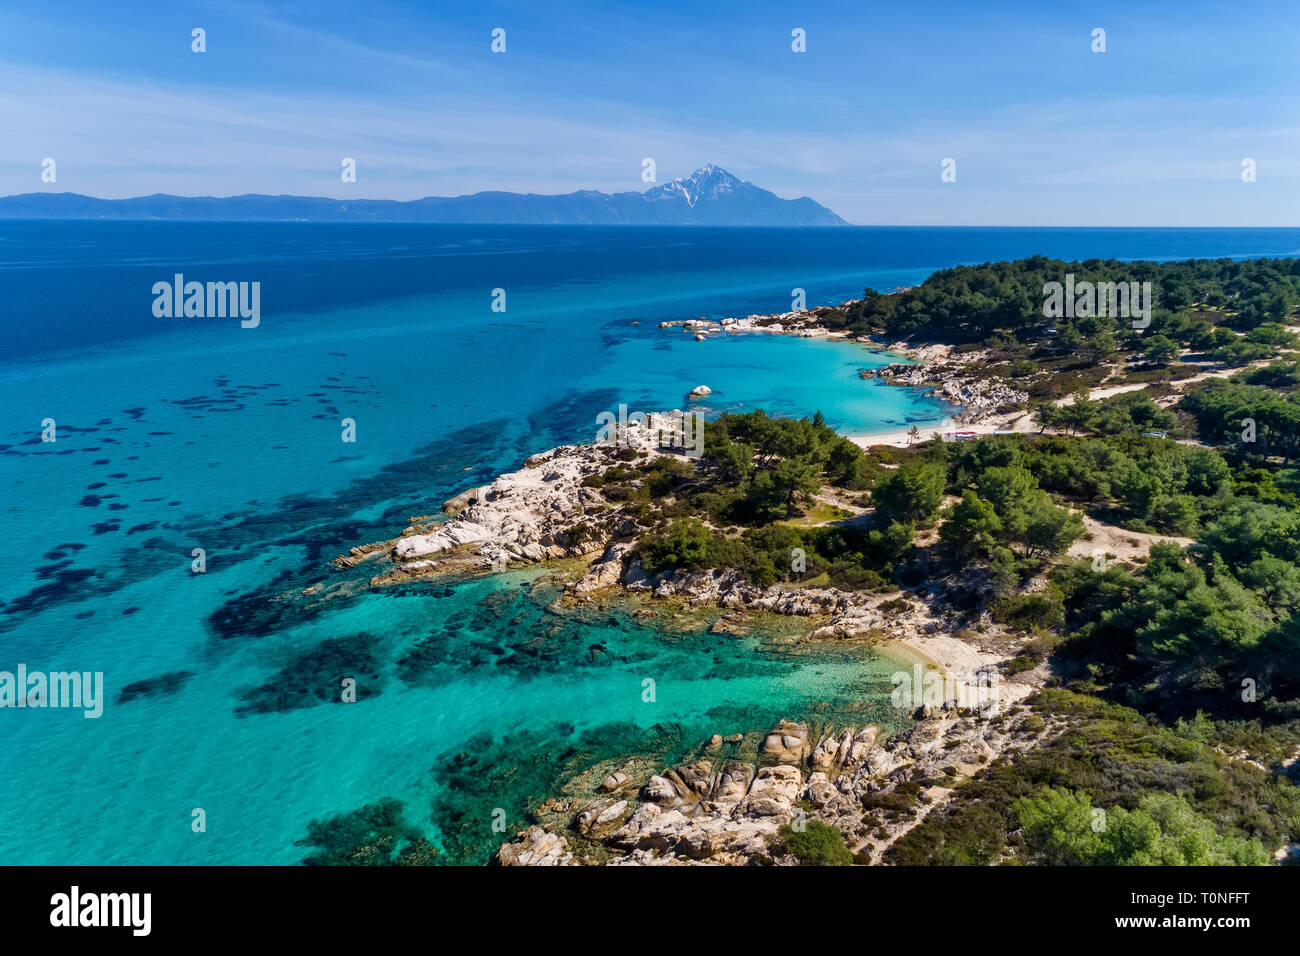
column 708, row 181
column 709, row 173
column 710, row 196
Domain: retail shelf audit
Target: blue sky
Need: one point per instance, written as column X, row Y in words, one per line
column 1043, row 130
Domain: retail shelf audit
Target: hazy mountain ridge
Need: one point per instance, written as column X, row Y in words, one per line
column 709, row 196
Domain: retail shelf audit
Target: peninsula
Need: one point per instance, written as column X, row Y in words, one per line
column 1101, row 569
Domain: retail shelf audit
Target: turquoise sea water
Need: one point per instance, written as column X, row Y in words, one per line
column 195, row 433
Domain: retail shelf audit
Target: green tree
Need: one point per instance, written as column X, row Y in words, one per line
column 1160, row 349
column 783, row 487
column 1207, row 472
column 684, row 545
column 1046, row 414
column 1006, row 488
column 1180, row 615
column 971, row 526
column 1276, row 581
column 1078, row 415
column 1061, row 827
column 912, row 492
column 1058, row 828
column 1273, row 333
column 846, row 466
column 1043, row 527
column 1175, row 514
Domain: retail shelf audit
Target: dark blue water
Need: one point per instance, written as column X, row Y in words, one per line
column 84, row 280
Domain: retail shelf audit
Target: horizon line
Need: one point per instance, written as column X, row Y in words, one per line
column 573, row 225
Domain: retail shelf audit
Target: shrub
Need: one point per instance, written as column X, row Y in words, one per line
column 816, row 845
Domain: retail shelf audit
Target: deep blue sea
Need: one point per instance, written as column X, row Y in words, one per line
column 180, row 433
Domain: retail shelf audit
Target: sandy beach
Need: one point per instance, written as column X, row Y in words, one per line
column 1017, row 421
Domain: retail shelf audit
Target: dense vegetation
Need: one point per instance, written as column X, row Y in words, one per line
column 1189, row 626
column 1062, row 828
column 737, row 506
column 975, row 302
column 1169, row 795
column 1201, row 311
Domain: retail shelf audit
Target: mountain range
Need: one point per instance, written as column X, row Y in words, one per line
column 710, row 196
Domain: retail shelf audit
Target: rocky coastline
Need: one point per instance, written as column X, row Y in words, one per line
column 946, row 373
column 726, row 806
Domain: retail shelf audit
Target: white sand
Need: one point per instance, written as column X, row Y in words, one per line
column 1011, row 421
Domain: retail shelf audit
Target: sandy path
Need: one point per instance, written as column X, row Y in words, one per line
column 1119, row 544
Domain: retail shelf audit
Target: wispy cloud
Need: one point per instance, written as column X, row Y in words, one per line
column 1042, row 130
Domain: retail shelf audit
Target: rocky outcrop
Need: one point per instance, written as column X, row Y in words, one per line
column 536, row 847
column 615, row 781
column 773, row 793
column 803, row 323
column 873, row 791
column 788, row 743
column 601, row 817
column 844, row 754
column 607, row 570
column 551, row 508
column 461, row 501
column 953, row 382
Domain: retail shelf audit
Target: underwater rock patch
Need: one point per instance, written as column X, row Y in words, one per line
column 316, row 677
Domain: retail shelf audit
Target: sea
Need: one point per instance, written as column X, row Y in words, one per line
column 176, row 534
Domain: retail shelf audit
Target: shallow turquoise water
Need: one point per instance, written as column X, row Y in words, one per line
column 200, row 438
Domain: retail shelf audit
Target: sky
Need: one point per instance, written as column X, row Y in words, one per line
column 1043, row 130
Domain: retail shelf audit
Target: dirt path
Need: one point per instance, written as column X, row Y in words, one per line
column 1117, row 543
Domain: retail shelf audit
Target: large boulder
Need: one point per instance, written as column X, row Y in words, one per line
column 787, row 743
column 536, row 847
column 773, row 793
column 733, row 783
column 600, row 817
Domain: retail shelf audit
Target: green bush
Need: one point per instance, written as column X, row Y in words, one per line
column 816, row 845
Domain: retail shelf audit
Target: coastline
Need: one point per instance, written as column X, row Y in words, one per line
column 937, row 367
column 1020, row 422
column 727, row 802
